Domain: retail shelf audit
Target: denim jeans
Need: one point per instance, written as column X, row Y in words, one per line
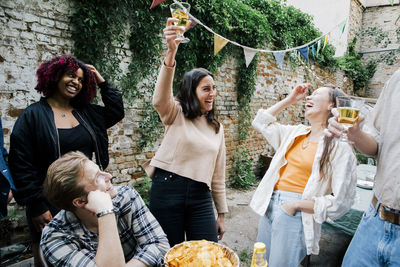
column 182, row 206
column 282, row 233
column 375, row 243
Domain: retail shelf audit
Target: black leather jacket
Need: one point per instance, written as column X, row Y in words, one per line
column 34, row 143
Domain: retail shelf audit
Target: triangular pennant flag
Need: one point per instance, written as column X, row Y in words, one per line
column 313, row 51
column 294, row 54
column 342, row 26
column 249, row 55
column 156, row 3
column 279, row 58
column 304, row 52
column 318, row 46
column 391, row 2
column 219, row 43
column 326, row 40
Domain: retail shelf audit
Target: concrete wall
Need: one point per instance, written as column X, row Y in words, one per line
column 387, row 19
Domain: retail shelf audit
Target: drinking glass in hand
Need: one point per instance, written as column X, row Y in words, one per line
column 180, row 11
column 349, row 110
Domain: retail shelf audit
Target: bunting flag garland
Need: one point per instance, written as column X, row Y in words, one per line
column 156, row 3
column 249, row 52
column 304, row 52
column 219, row 43
column 279, row 58
column 392, row 2
column 249, row 55
column 313, row 51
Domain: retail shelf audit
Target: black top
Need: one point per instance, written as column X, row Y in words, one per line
column 34, row 143
column 76, row 139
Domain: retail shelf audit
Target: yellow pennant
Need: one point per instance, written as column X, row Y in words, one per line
column 326, row 40
column 219, row 43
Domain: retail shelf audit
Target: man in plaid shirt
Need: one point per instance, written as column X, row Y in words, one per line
column 99, row 224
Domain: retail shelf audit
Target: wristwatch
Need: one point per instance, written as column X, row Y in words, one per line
column 104, row 212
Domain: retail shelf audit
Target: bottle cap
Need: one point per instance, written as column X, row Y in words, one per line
column 259, row 247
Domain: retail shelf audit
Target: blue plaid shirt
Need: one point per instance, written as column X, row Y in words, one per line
column 66, row 242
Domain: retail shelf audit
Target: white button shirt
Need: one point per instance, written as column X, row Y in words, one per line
column 333, row 197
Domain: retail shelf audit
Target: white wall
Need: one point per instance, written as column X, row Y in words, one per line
column 327, row 15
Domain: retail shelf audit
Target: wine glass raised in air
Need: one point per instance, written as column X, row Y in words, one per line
column 349, row 110
column 180, row 10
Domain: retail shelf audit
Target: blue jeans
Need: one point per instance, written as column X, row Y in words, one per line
column 183, row 207
column 282, row 233
column 376, row 242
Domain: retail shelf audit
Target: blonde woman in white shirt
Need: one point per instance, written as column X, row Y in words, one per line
column 311, row 178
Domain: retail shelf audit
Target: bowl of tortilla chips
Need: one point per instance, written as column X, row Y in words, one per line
column 201, row 253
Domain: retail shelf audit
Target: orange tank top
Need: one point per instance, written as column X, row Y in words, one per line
column 295, row 173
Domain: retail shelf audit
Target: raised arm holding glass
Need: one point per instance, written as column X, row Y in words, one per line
column 311, row 178
column 188, row 170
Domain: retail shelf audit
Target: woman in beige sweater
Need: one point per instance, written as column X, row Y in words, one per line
column 188, row 169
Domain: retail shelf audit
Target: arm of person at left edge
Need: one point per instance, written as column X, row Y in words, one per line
column 113, row 110
column 218, row 186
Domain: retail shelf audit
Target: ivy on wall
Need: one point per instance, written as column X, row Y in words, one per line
column 101, row 28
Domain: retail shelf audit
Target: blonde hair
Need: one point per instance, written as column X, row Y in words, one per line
column 61, row 185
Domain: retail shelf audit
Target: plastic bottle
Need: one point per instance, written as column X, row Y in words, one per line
column 259, row 255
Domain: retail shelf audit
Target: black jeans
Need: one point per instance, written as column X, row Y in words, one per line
column 182, row 206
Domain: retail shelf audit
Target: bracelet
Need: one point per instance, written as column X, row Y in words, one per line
column 104, row 212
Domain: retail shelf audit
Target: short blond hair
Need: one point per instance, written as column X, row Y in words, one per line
column 61, row 185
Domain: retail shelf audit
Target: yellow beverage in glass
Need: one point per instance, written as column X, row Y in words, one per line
column 180, row 11
column 348, row 116
column 349, row 110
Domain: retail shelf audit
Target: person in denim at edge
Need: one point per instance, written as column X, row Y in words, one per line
column 311, row 178
column 6, row 182
column 377, row 239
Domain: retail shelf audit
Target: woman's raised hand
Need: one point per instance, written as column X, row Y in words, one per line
column 170, row 34
column 299, row 92
column 97, row 74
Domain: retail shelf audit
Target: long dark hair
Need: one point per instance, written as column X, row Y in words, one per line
column 50, row 72
column 325, row 167
column 188, row 99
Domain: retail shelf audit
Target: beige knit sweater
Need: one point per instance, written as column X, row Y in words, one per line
column 190, row 148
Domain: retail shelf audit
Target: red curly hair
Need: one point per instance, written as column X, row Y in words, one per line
column 50, row 72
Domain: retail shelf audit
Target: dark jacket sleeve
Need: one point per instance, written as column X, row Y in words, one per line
column 23, row 163
column 113, row 110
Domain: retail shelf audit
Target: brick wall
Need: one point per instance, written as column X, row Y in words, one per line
column 34, row 31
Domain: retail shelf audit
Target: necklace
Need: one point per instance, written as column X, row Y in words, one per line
column 305, row 143
column 63, row 115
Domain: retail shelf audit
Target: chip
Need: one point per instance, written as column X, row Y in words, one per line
column 200, row 253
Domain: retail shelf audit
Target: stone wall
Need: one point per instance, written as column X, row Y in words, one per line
column 34, row 31
column 386, row 18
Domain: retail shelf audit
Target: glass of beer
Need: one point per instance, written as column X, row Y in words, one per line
column 180, row 10
column 349, row 110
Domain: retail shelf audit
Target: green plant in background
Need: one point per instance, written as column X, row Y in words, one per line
column 143, row 188
column 355, row 69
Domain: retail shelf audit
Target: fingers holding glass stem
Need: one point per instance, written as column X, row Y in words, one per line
column 348, row 113
column 337, row 130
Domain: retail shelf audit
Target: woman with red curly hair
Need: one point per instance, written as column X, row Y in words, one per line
column 63, row 120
